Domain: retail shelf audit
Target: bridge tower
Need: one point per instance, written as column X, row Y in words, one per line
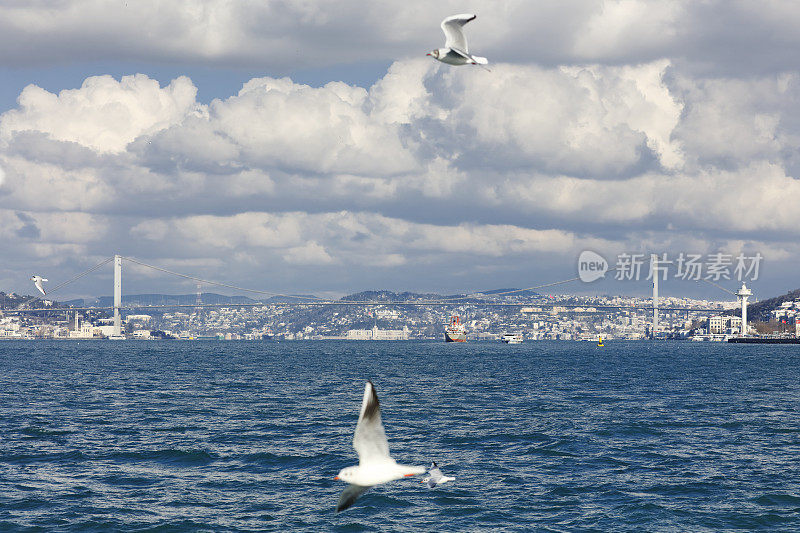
column 199, row 300
column 117, row 295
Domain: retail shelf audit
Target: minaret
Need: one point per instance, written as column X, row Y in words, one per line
column 743, row 294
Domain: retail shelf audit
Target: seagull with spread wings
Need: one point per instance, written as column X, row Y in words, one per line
column 435, row 476
column 38, row 280
column 375, row 465
column 455, row 51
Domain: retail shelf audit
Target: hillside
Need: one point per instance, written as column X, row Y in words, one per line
column 162, row 299
column 13, row 301
column 389, row 296
column 760, row 311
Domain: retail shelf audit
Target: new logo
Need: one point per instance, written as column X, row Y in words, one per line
column 591, row 266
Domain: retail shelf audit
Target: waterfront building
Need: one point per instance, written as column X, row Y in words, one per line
column 376, row 334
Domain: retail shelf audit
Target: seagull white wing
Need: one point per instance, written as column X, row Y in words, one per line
column 435, row 473
column 453, row 33
column 38, row 282
column 370, row 439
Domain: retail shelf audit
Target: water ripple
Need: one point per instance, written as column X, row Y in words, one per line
column 547, row 436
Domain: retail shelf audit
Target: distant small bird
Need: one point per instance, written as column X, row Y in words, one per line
column 435, row 477
column 455, row 51
column 375, row 465
column 37, row 280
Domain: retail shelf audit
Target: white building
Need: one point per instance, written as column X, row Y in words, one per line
column 716, row 324
column 724, row 324
column 105, row 331
column 10, row 328
column 85, row 331
column 141, row 334
column 376, row 334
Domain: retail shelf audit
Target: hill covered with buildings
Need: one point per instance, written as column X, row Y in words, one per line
column 382, row 314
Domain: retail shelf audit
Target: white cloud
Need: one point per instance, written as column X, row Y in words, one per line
column 349, row 237
column 585, row 121
column 621, row 25
column 104, row 114
column 429, row 168
column 732, row 122
column 311, row 253
column 280, row 123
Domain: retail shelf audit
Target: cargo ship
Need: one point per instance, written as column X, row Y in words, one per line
column 455, row 331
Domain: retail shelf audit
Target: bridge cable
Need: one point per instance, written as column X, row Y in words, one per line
column 718, row 286
column 209, row 282
column 522, row 290
column 79, row 276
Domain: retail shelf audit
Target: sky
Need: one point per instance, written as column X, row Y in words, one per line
column 312, row 147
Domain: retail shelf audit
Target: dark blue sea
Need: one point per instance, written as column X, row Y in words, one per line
column 542, row 436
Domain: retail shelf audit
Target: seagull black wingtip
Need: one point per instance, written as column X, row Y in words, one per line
column 373, row 406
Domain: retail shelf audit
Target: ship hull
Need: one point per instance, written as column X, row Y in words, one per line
column 765, row 340
column 455, row 337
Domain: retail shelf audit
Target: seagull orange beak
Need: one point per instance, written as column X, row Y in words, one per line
column 337, row 477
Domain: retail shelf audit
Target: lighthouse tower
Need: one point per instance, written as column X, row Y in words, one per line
column 743, row 294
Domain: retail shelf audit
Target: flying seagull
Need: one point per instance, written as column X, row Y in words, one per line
column 435, row 477
column 375, row 465
column 455, row 51
column 37, row 280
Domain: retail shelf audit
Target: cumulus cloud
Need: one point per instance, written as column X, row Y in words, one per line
column 103, row 114
column 276, row 137
column 325, row 130
column 499, row 173
column 731, row 122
